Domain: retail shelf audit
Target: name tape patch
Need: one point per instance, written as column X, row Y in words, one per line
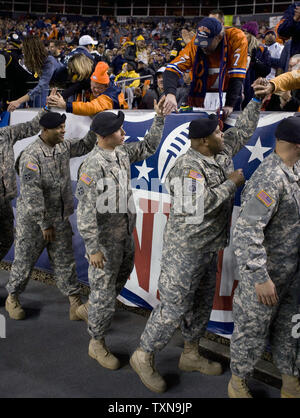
column 32, row 166
column 86, row 179
column 265, row 198
column 193, row 174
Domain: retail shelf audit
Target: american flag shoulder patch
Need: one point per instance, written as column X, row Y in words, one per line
column 32, row 166
column 193, row 174
column 86, row 179
column 265, row 198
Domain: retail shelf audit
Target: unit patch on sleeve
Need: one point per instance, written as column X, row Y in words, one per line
column 265, row 198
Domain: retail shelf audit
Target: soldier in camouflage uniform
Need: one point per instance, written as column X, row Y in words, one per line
column 192, row 239
column 9, row 135
column 266, row 243
column 107, row 231
column 43, row 209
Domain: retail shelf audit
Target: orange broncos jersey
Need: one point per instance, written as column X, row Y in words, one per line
column 236, row 61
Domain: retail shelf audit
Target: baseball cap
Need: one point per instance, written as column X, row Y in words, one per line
column 208, row 28
column 87, row 40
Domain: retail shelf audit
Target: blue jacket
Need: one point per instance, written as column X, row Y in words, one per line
column 260, row 66
column 291, row 29
column 48, row 74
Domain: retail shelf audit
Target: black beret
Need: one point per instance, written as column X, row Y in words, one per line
column 203, row 127
column 106, row 123
column 52, row 120
column 289, row 129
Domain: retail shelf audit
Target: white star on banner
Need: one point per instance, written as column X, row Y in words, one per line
column 257, row 151
column 140, row 138
column 143, row 170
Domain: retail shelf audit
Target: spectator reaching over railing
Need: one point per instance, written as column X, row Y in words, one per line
column 289, row 100
column 42, row 66
column 104, row 95
column 210, row 73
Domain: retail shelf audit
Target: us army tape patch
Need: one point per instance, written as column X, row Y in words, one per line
column 265, row 198
column 86, row 179
column 195, row 175
column 32, row 166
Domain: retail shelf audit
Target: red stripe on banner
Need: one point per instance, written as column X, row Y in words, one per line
column 143, row 251
column 222, row 303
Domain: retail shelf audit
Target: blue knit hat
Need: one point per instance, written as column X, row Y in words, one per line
column 208, row 28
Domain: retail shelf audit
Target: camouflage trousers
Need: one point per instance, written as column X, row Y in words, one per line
column 107, row 283
column 186, row 288
column 29, row 245
column 6, row 226
column 256, row 324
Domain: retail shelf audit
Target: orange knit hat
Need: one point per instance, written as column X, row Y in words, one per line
column 100, row 74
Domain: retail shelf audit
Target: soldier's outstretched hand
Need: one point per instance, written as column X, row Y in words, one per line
column 159, row 107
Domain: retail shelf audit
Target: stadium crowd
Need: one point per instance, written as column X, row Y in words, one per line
column 43, row 53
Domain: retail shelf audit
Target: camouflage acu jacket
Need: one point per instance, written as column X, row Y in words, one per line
column 266, row 237
column 9, row 135
column 207, row 228
column 105, row 201
column 45, row 183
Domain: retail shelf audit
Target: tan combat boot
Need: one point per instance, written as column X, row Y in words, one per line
column 75, row 302
column 237, row 388
column 14, row 308
column 190, row 361
column 143, row 364
column 99, row 352
column 290, row 386
column 82, row 312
